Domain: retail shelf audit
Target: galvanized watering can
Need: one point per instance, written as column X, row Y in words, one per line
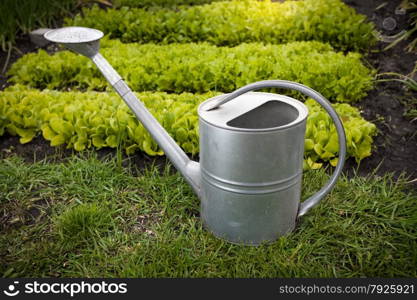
column 251, row 150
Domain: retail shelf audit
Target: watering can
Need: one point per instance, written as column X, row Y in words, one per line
column 251, row 150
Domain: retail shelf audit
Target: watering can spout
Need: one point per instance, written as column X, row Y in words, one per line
column 85, row 41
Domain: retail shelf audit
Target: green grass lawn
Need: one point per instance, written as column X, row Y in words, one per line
column 90, row 217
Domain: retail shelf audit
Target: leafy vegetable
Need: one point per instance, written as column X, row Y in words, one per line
column 92, row 119
column 200, row 68
column 164, row 3
column 236, row 22
column 322, row 143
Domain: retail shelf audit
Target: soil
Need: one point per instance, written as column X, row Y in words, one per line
column 396, row 143
column 395, row 146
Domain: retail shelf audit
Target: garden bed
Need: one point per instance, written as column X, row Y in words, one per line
column 395, row 145
column 102, row 213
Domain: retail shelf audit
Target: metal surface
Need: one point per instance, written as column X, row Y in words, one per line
column 251, row 177
column 315, row 199
column 245, row 103
column 251, row 151
column 110, row 74
column 85, row 41
column 73, row 35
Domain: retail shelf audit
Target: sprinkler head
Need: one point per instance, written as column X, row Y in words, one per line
column 85, row 41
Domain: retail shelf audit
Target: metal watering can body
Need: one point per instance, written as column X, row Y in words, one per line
column 251, row 160
column 251, row 150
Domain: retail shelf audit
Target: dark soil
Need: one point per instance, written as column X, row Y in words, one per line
column 396, row 143
column 395, row 147
column 39, row 149
column 23, row 46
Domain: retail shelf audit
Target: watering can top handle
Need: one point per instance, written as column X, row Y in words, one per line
column 315, row 199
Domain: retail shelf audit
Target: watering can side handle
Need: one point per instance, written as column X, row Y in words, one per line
column 315, row 199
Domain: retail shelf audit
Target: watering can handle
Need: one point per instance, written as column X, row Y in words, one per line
column 315, row 199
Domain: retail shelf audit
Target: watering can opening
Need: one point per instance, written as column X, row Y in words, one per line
column 268, row 115
column 254, row 112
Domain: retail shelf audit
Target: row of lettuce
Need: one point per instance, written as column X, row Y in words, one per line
column 239, row 42
column 229, row 23
column 94, row 119
column 199, row 68
column 161, row 3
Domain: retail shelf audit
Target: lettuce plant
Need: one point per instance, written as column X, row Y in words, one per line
column 93, row 119
column 199, row 68
column 232, row 23
column 163, row 3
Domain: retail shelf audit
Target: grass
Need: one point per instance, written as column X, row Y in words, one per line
column 410, row 101
column 88, row 217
